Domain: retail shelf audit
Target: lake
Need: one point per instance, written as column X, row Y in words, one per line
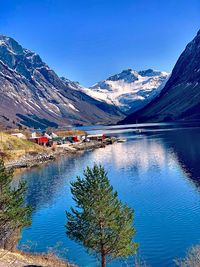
column 156, row 172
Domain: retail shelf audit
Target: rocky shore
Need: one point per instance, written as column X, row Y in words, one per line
column 29, row 160
column 34, row 159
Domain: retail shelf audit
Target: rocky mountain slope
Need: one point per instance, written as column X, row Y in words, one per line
column 129, row 90
column 33, row 95
column 180, row 98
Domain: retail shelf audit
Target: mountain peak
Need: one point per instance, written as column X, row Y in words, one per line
column 32, row 94
column 18, row 58
column 151, row 73
column 180, row 98
column 129, row 89
column 11, row 44
column 127, row 75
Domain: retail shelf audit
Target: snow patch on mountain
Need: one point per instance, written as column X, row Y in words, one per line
column 129, row 90
column 37, row 97
column 73, row 107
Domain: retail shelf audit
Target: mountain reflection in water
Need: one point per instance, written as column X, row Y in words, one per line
column 156, row 173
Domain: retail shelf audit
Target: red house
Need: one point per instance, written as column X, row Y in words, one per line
column 42, row 140
column 75, row 139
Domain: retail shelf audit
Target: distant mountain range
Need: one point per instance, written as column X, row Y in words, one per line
column 180, row 98
column 33, row 95
column 129, row 90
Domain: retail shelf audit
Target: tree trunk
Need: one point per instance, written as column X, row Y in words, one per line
column 103, row 260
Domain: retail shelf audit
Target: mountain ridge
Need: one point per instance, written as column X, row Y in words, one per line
column 130, row 89
column 37, row 97
column 180, row 98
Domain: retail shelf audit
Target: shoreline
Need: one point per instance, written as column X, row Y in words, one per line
column 30, row 160
column 21, row 259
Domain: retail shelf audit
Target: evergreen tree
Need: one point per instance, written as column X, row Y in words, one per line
column 14, row 215
column 101, row 222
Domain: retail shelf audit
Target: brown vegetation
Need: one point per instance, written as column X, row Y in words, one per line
column 12, row 147
column 21, row 259
column 63, row 133
column 192, row 258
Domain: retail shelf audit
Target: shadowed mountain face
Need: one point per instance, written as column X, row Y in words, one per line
column 180, row 98
column 33, row 95
column 186, row 147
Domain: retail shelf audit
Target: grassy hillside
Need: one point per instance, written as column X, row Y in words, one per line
column 12, row 147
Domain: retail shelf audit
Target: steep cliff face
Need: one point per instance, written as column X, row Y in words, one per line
column 33, row 95
column 180, row 98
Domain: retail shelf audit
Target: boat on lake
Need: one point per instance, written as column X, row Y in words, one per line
column 121, row 140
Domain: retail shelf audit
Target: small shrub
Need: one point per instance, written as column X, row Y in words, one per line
column 192, row 259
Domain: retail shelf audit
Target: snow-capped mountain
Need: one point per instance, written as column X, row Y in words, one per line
column 129, row 90
column 180, row 98
column 33, row 95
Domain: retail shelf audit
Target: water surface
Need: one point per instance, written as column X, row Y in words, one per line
column 157, row 173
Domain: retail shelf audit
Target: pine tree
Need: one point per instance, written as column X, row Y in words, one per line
column 101, row 222
column 14, row 214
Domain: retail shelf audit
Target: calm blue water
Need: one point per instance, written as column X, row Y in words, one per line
column 157, row 173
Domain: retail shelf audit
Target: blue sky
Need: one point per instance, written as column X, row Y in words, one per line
column 88, row 40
